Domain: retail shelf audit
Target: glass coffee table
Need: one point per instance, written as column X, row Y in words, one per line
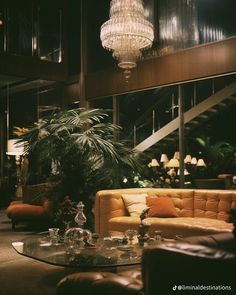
column 107, row 252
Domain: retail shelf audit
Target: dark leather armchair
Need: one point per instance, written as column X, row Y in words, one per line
column 163, row 269
column 182, row 265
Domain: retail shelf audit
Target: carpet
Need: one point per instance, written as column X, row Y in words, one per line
column 20, row 275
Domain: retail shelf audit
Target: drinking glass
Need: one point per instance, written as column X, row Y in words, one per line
column 54, row 235
column 130, row 234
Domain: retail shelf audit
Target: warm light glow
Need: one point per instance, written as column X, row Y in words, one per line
column 194, row 161
column 126, row 33
column 153, row 163
column 176, row 155
column 164, row 158
column 201, row 163
column 185, row 172
column 187, row 159
column 173, row 163
column 14, row 148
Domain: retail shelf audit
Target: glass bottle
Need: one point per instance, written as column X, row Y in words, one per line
column 80, row 218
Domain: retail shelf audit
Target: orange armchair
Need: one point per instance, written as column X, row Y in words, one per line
column 35, row 207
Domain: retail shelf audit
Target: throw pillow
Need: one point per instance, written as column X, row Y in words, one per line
column 161, row 207
column 135, row 203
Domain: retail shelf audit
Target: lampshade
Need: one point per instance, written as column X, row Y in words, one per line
column 185, row 172
column 14, row 147
column 201, row 163
column 164, row 158
column 194, row 161
column 176, row 155
column 173, row 163
column 187, row 159
column 126, row 33
column 153, row 163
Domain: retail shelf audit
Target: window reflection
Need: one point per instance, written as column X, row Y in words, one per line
column 49, row 35
column 181, row 24
column 20, row 30
column 31, row 30
column 178, row 24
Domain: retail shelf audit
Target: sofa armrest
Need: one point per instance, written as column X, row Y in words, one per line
column 108, row 204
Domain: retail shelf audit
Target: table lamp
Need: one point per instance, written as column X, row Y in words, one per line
column 16, row 148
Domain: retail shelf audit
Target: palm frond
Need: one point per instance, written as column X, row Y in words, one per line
column 83, row 144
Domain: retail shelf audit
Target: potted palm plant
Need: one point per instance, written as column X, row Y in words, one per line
column 80, row 145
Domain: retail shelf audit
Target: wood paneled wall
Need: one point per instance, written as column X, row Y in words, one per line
column 191, row 64
column 33, row 68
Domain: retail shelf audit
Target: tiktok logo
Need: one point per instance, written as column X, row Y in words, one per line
column 174, row 288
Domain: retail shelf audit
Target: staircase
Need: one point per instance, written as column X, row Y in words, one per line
column 193, row 118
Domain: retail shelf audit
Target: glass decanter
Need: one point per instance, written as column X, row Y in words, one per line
column 80, row 218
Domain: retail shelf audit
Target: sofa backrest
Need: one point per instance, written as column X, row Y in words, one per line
column 109, row 203
column 214, row 203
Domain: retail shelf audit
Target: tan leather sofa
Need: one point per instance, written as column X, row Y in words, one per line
column 200, row 212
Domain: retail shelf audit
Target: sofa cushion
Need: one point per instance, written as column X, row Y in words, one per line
column 161, row 207
column 26, row 212
column 181, row 226
column 135, row 203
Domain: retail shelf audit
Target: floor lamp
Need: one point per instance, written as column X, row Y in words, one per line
column 14, row 148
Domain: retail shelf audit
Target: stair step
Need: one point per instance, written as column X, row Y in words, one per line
column 202, row 116
column 193, row 122
column 231, row 98
column 187, row 128
column 193, row 117
column 212, row 110
column 222, row 104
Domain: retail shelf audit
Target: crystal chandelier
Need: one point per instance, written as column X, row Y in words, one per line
column 127, row 33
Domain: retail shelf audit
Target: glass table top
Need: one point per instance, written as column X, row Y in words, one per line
column 107, row 252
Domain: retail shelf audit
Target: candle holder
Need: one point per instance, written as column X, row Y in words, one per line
column 143, row 236
column 143, row 228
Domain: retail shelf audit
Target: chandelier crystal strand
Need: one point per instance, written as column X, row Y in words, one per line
column 127, row 33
